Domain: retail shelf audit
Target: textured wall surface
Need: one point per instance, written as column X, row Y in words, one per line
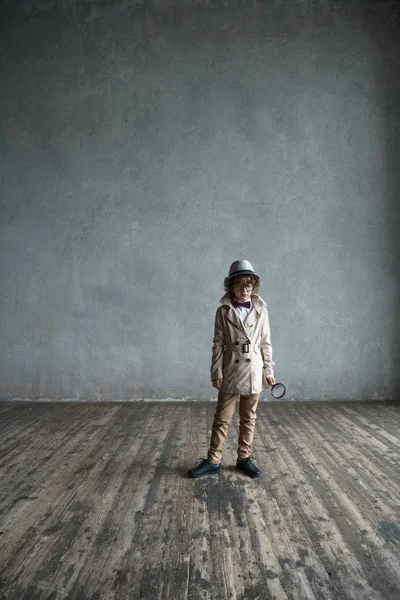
column 146, row 145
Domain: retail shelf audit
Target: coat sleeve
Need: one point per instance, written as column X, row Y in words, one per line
column 218, row 348
column 266, row 347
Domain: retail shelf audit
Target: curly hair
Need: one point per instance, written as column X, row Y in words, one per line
column 230, row 282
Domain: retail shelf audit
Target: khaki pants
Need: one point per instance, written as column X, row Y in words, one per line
column 222, row 419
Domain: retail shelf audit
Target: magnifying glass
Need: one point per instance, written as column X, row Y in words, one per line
column 278, row 390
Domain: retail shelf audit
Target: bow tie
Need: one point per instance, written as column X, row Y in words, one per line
column 244, row 304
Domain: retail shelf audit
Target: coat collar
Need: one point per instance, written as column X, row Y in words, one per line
column 257, row 304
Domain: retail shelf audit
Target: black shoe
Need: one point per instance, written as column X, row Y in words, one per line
column 203, row 468
column 247, row 465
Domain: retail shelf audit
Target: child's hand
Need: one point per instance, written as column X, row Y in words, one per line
column 217, row 383
column 271, row 380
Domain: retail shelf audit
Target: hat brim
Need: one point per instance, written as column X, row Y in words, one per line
column 245, row 272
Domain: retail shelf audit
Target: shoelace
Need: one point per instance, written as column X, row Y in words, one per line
column 200, row 460
column 248, row 458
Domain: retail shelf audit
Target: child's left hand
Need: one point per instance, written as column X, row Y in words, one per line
column 271, row 380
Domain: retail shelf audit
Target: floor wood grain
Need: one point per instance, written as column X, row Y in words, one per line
column 95, row 504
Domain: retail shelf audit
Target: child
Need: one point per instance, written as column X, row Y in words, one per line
column 241, row 365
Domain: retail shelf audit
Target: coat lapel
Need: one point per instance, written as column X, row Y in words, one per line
column 234, row 319
column 252, row 317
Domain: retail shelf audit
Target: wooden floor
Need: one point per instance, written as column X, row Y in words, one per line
column 95, row 504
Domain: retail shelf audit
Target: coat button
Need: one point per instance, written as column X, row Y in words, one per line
column 237, row 343
column 236, row 361
column 247, row 360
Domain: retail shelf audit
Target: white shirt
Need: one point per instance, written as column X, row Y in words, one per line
column 242, row 311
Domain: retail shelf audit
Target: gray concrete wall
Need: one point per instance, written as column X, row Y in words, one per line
column 147, row 145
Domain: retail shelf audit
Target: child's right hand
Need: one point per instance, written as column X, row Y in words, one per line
column 217, row 383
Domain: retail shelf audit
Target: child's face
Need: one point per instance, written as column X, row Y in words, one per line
column 241, row 292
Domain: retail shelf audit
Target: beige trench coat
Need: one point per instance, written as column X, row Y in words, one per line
column 242, row 354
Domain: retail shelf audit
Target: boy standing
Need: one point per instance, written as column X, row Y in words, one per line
column 241, row 365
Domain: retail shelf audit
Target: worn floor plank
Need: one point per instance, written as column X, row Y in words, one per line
column 356, row 517
column 95, row 504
